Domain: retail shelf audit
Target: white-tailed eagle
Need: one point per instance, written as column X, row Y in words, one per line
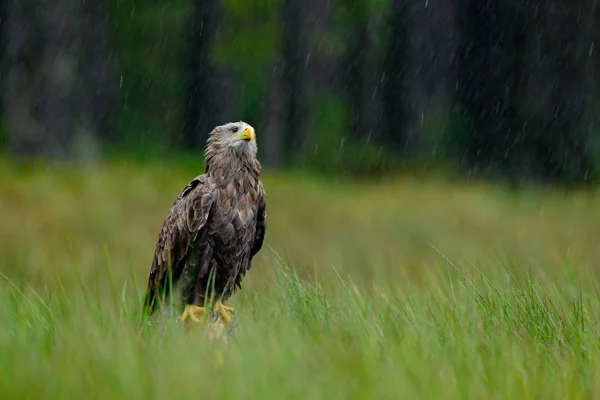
column 213, row 230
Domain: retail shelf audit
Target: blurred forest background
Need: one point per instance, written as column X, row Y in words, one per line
column 490, row 88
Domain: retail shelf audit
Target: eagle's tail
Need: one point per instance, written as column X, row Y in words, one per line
column 158, row 290
column 150, row 304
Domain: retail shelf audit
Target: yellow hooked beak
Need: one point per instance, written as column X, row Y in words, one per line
column 248, row 134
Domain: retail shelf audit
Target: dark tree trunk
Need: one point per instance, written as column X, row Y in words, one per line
column 3, row 44
column 61, row 105
column 295, row 54
column 566, row 155
column 47, row 106
column 354, row 68
column 592, row 86
column 556, row 101
column 430, row 72
column 393, row 81
column 24, row 125
column 489, row 67
column 99, row 78
column 201, row 101
column 320, row 66
column 271, row 141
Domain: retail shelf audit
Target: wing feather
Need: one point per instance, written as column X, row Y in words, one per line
column 261, row 221
column 187, row 216
column 259, row 233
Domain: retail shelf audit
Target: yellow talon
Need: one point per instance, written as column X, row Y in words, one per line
column 223, row 309
column 191, row 311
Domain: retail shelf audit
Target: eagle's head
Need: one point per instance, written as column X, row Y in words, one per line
column 232, row 144
column 236, row 136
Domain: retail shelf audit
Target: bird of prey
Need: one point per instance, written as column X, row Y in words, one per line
column 213, row 230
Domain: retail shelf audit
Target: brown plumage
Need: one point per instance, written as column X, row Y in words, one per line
column 214, row 228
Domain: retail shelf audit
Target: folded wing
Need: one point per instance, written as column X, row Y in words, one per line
column 186, row 218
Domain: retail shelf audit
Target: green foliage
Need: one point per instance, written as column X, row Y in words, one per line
column 332, row 151
column 149, row 43
column 446, row 136
column 245, row 46
column 148, row 38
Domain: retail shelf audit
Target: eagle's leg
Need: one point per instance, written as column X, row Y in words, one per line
column 222, row 309
column 192, row 312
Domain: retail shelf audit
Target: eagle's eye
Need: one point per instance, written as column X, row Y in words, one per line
column 235, row 129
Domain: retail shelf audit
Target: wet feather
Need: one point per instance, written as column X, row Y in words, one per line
column 215, row 225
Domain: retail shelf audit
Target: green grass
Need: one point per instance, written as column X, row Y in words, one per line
column 407, row 288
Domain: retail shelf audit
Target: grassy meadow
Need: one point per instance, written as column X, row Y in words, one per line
column 408, row 288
